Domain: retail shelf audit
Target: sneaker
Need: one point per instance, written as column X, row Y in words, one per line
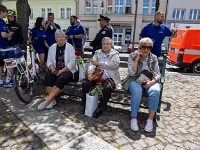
column 1, row 85
column 134, row 125
column 8, row 85
column 149, row 126
column 51, row 105
column 41, row 106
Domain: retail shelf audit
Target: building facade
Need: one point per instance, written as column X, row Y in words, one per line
column 183, row 13
column 121, row 13
column 62, row 10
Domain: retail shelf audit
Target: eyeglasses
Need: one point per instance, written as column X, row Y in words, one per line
column 146, row 47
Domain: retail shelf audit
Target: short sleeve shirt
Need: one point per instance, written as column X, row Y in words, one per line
column 51, row 35
column 157, row 34
column 3, row 28
column 75, row 30
column 38, row 44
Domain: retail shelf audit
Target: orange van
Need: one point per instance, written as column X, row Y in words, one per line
column 184, row 51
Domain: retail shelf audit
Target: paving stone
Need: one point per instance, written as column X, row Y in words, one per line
column 121, row 141
column 21, row 139
column 170, row 147
column 150, row 141
column 127, row 147
column 23, row 146
column 11, row 142
column 161, row 147
column 4, row 144
column 152, row 148
column 182, row 130
column 161, row 139
column 192, row 124
column 141, row 142
column 6, row 148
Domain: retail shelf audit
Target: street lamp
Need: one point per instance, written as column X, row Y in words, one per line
column 102, row 6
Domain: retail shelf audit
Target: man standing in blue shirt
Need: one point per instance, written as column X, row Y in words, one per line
column 50, row 28
column 75, row 34
column 4, row 35
column 157, row 31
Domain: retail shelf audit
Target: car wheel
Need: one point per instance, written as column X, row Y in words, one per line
column 195, row 67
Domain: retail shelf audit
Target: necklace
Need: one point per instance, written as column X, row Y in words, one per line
column 61, row 48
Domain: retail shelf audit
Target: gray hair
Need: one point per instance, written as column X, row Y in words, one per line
column 145, row 41
column 107, row 38
column 58, row 31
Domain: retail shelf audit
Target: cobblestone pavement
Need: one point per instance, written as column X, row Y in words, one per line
column 15, row 135
column 177, row 127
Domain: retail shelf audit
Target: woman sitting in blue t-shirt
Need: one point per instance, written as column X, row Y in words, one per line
column 40, row 33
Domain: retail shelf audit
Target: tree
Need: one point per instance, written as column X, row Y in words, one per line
column 23, row 11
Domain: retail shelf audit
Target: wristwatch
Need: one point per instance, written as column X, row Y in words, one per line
column 73, row 36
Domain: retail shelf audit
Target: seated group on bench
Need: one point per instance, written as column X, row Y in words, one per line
column 62, row 66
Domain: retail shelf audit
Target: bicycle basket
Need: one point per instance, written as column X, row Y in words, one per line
column 12, row 52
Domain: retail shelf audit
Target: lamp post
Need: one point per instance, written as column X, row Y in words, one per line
column 102, row 6
column 136, row 7
column 157, row 5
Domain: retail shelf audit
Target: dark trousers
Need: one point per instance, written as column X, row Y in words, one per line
column 87, row 85
column 58, row 81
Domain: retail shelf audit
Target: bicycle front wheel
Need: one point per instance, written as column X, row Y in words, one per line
column 24, row 87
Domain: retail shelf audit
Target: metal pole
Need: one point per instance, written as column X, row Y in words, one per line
column 135, row 19
column 157, row 5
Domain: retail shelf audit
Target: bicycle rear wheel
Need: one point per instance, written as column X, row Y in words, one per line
column 40, row 73
column 23, row 88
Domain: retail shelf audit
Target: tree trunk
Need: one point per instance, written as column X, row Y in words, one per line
column 23, row 11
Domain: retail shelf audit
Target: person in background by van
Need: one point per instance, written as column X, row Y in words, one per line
column 85, row 35
column 157, row 31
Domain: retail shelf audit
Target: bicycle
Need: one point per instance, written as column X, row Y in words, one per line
column 23, row 79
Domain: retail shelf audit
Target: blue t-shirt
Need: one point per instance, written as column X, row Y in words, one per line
column 75, row 30
column 51, row 35
column 38, row 44
column 157, row 34
column 3, row 28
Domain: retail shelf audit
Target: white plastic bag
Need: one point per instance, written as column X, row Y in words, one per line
column 91, row 104
column 82, row 72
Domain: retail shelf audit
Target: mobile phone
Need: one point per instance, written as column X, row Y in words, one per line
column 55, row 72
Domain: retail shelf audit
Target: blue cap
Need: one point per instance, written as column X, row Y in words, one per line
column 102, row 17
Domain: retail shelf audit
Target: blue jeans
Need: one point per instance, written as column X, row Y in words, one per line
column 136, row 90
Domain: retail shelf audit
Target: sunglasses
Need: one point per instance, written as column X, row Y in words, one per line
column 146, row 47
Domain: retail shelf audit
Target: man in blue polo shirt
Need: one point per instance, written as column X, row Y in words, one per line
column 75, row 34
column 50, row 28
column 157, row 31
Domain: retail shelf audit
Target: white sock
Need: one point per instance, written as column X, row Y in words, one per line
column 1, row 81
column 8, row 79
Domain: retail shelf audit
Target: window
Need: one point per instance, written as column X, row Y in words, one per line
column 153, row 7
column 118, row 36
column 109, row 6
column 45, row 11
column 145, row 7
column 178, row 14
column 128, row 2
column 128, row 7
column 119, row 6
column 87, row 7
column 68, row 15
column 31, row 15
column 95, row 7
column 87, row 32
column 194, row 14
column 65, row 12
